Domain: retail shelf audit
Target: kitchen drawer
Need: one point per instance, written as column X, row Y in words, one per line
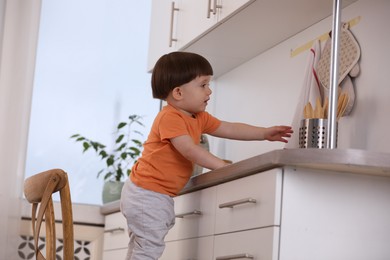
column 254, row 244
column 195, row 248
column 115, row 232
column 250, row 202
column 195, row 215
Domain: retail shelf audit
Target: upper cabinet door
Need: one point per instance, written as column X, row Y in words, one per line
column 176, row 24
column 226, row 8
column 198, row 17
column 163, row 35
column 195, row 19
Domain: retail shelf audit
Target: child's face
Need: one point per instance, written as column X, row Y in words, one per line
column 196, row 94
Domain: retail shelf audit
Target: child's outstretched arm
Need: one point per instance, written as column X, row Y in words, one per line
column 240, row 131
column 195, row 153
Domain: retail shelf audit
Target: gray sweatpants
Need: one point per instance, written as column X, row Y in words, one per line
column 149, row 216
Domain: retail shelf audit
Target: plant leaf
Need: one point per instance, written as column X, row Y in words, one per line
column 107, row 175
column 121, row 147
column 86, row 146
column 135, row 150
column 121, row 125
column 100, row 172
column 95, row 145
column 103, row 154
column 119, row 174
column 80, row 139
column 110, row 160
column 137, row 142
column 119, row 139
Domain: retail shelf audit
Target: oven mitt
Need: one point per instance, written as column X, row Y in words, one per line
column 348, row 59
column 348, row 64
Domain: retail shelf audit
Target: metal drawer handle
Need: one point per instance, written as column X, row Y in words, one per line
column 215, row 7
column 209, row 10
column 191, row 213
column 171, row 39
column 237, row 202
column 114, row 230
column 248, row 256
column 212, row 10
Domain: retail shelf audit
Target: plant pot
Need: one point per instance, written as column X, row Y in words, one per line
column 112, row 191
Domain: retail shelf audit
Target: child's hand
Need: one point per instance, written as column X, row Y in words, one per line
column 278, row 133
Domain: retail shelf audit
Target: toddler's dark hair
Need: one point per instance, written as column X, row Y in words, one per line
column 175, row 69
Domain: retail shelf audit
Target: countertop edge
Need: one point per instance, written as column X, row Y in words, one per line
column 341, row 160
column 338, row 160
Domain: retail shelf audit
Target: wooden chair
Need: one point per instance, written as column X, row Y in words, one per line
column 38, row 189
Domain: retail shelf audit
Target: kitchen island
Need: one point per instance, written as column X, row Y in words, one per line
column 286, row 204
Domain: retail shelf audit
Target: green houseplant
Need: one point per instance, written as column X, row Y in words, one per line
column 120, row 159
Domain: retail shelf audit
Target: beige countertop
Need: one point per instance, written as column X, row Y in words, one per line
column 336, row 160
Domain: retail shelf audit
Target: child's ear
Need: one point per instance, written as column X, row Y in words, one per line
column 177, row 93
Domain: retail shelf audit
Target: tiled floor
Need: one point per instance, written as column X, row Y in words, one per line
column 26, row 248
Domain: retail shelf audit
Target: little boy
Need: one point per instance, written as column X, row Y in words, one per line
column 181, row 79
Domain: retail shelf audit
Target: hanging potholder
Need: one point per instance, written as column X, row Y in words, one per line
column 349, row 55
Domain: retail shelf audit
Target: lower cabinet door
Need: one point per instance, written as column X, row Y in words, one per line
column 115, row 232
column 189, row 249
column 115, row 254
column 195, row 215
column 254, row 244
column 250, row 202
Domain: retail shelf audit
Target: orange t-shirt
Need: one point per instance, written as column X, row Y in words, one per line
column 161, row 167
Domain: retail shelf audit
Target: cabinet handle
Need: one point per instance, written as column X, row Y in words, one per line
column 237, row 202
column 114, row 230
column 194, row 212
column 209, row 10
column 248, row 256
column 214, row 9
column 171, row 39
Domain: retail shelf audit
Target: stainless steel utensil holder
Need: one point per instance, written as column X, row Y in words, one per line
column 313, row 133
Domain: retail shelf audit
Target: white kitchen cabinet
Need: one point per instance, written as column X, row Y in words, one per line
column 177, row 24
column 198, row 17
column 334, row 215
column 250, row 202
column 260, row 243
column 227, row 8
column 195, row 215
column 194, row 20
column 163, row 23
column 241, row 29
column 236, row 218
column 195, row 248
column 299, row 213
column 115, row 237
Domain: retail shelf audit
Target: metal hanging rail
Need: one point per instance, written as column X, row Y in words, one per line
column 334, row 78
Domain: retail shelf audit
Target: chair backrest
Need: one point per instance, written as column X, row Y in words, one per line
column 38, row 190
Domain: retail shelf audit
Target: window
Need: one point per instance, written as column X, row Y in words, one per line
column 90, row 74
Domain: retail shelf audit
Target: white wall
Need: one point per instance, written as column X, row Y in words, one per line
column 265, row 90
